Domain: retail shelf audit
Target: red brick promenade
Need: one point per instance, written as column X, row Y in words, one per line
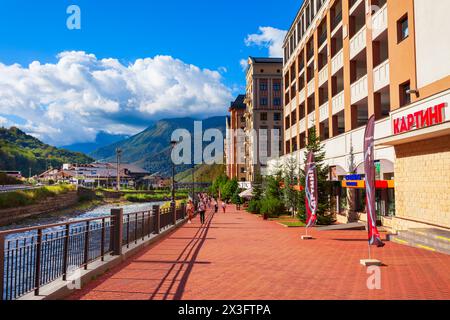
column 239, row 256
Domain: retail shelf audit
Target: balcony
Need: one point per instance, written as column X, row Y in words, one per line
column 311, row 87
column 354, row 4
column 311, row 119
column 323, row 38
column 293, row 132
column 301, row 96
column 336, row 21
column 337, row 62
column 381, row 76
column 310, row 55
column 358, row 42
column 338, row 103
column 323, row 112
column 323, row 75
column 379, row 22
column 287, row 133
column 359, row 90
column 302, row 126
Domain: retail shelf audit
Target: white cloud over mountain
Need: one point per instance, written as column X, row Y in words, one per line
column 71, row 100
column 269, row 37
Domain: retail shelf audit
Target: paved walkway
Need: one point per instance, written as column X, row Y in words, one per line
column 239, row 256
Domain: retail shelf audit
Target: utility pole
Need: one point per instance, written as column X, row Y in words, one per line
column 119, row 154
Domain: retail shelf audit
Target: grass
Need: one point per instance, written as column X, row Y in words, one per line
column 29, row 197
column 145, row 197
column 292, row 224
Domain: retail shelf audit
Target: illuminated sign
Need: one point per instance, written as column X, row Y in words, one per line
column 420, row 119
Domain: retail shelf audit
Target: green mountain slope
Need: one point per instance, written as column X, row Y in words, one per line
column 19, row 151
column 151, row 149
column 202, row 173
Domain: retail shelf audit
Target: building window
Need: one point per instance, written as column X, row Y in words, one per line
column 263, row 86
column 405, row 97
column 276, row 101
column 277, row 116
column 402, row 28
column 276, row 87
column 263, row 101
column 263, row 116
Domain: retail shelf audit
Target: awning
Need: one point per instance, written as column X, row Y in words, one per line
column 247, row 193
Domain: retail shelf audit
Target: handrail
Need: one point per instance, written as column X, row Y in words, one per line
column 32, row 260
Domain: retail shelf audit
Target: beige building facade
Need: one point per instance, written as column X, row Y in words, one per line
column 264, row 122
column 345, row 60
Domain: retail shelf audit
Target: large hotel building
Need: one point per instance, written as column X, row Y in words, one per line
column 259, row 116
column 345, row 60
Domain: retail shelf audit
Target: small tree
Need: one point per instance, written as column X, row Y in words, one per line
column 290, row 179
column 351, row 193
column 229, row 188
column 323, row 207
column 254, row 204
column 236, row 199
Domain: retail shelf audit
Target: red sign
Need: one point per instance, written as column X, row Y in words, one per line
column 420, row 119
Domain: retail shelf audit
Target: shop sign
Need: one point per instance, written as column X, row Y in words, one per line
column 420, row 119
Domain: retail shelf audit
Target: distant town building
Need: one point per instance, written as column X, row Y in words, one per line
column 94, row 174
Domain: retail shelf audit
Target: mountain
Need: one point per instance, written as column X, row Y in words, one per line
column 202, row 173
column 19, row 151
column 151, row 149
column 103, row 139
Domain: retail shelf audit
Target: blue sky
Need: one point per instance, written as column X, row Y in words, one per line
column 208, row 34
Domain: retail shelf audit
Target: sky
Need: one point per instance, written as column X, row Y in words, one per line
column 130, row 63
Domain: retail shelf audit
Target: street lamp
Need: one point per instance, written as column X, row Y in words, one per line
column 119, row 154
column 173, row 144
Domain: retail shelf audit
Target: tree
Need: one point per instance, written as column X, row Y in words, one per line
column 229, row 188
column 254, row 205
column 218, row 184
column 324, row 215
column 236, row 199
column 290, row 179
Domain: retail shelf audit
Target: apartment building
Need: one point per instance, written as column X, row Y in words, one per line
column 264, row 107
column 234, row 145
column 345, row 60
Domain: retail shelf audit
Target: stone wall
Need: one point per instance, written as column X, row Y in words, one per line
column 422, row 181
column 51, row 204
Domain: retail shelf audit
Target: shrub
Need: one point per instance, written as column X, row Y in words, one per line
column 254, row 206
column 272, row 206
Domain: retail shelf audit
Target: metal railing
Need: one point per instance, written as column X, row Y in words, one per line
column 33, row 257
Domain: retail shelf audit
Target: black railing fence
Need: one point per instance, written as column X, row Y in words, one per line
column 33, row 257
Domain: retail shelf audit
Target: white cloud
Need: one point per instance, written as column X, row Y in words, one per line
column 269, row 37
column 3, row 121
column 244, row 64
column 79, row 95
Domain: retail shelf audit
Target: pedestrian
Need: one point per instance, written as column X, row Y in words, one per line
column 216, row 206
column 202, row 209
column 190, row 210
column 224, row 206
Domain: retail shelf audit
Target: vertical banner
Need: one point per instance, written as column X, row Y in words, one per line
column 369, row 170
column 311, row 190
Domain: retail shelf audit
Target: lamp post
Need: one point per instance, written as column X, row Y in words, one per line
column 119, row 153
column 173, row 144
column 193, row 184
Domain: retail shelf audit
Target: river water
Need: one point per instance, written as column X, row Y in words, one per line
column 104, row 210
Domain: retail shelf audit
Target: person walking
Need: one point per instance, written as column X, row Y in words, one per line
column 224, row 206
column 202, row 209
column 190, row 210
column 216, row 206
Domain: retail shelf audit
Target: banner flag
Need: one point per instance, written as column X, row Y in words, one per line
column 311, row 194
column 369, row 170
